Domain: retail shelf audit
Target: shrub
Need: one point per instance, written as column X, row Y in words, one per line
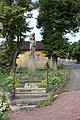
column 8, row 83
column 45, row 103
column 55, row 80
column 4, row 107
column 42, row 84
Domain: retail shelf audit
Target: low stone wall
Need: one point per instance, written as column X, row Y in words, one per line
column 71, row 60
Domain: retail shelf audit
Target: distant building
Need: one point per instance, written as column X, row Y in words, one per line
column 39, row 55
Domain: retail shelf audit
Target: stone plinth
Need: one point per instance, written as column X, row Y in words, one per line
column 32, row 63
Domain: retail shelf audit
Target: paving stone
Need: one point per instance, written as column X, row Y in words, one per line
column 65, row 107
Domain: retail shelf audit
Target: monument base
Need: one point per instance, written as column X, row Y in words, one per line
column 32, row 63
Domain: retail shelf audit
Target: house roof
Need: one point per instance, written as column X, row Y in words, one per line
column 26, row 45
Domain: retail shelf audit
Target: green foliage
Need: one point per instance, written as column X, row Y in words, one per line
column 15, row 26
column 58, row 77
column 3, row 108
column 45, row 103
column 4, row 117
column 75, row 51
column 5, row 61
column 40, row 74
column 8, row 82
column 56, row 18
column 61, row 14
column 48, row 102
column 55, row 79
column 25, row 72
column 42, row 84
column 2, row 77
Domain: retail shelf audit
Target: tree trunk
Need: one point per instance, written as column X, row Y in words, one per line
column 13, row 72
column 78, row 60
column 54, row 61
column 46, row 68
column 14, row 62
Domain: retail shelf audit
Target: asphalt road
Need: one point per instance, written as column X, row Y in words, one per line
column 74, row 78
column 72, row 65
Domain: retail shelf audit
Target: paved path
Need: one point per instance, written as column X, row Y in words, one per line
column 74, row 82
column 66, row 107
column 72, row 66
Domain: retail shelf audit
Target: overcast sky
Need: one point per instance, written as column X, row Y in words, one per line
column 33, row 23
column 37, row 31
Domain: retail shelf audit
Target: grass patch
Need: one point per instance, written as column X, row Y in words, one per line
column 25, row 72
column 53, row 78
column 48, row 102
column 45, row 103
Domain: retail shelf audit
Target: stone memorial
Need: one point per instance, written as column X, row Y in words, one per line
column 31, row 59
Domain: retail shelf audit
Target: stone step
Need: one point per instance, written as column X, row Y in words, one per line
column 17, row 107
column 28, row 101
column 30, row 81
column 32, row 95
column 26, row 98
column 30, row 90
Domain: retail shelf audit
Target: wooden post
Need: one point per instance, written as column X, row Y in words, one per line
column 13, row 72
column 14, row 82
column 47, row 84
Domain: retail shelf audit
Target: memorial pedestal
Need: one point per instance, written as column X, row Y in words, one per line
column 32, row 63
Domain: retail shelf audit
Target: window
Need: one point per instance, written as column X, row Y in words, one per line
column 37, row 57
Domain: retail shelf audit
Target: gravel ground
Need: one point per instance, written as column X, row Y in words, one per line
column 74, row 82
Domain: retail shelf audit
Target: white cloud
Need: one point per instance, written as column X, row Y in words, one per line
column 2, row 39
column 73, row 38
column 33, row 23
column 34, row 0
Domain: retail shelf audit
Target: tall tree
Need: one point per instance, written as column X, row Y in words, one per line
column 15, row 25
column 75, row 51
column 56, row 18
